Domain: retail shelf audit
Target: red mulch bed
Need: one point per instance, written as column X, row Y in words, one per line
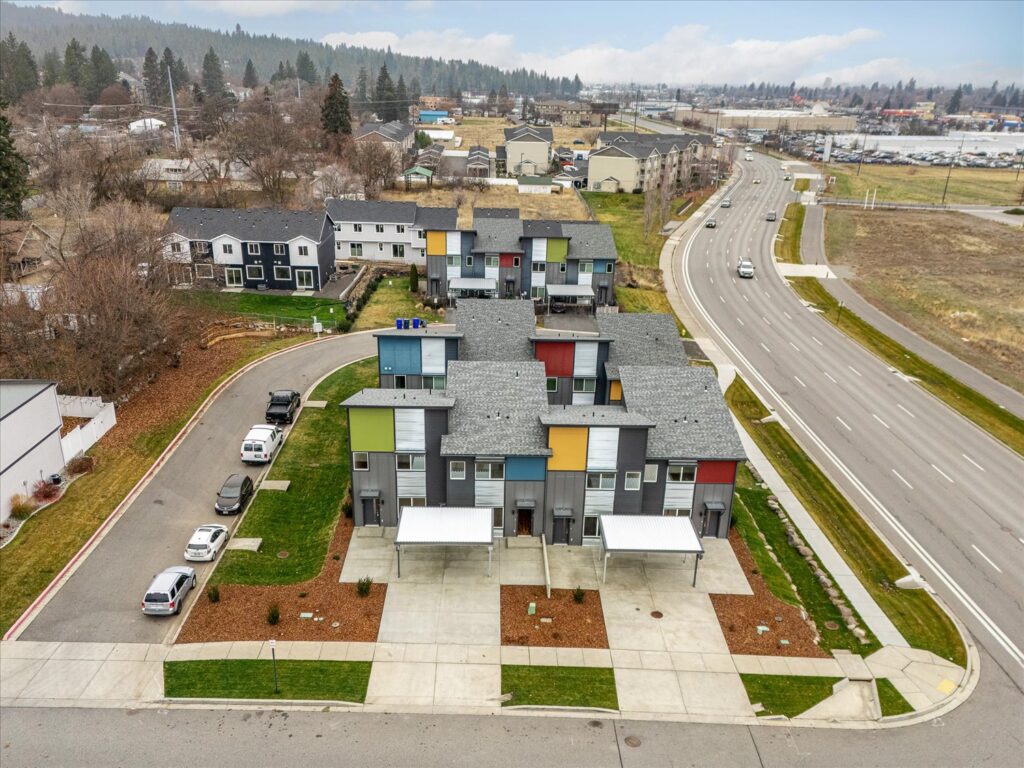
column 573, row 625
column 739, row 615
column 241, row 613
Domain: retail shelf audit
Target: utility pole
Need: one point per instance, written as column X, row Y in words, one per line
column 636, row 109
column 945, row 188
column 174, row 109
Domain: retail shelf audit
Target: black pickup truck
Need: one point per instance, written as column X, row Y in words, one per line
column 282, row 406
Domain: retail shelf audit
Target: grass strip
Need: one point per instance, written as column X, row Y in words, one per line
column 300, row 521
column 646, row 300
column 391, row 299
column 916, row 615
column 999, row 422
column 788, row 695
column 752, row 514
column 890, row 699
column 50, row 538
column 801, row 185
column 254, row 679
column 559, row 686
column 787, row 244
column 269, row 307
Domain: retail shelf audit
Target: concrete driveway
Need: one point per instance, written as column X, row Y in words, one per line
column 100, row 601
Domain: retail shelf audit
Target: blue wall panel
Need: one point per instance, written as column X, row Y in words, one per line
column 525, row 468
column 399, row 354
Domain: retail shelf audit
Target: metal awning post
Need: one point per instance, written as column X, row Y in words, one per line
column 696, row 562
column 604, row 578
column 490, row 551
column 398, row 554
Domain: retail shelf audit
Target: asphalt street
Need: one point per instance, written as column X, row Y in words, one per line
column 101, row 600
column 944, row 492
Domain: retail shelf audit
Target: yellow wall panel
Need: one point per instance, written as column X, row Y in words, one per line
column 615, row 393
column 436, row 243
column 568, row 449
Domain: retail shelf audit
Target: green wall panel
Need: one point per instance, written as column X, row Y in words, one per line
column 372, row 429
column 558, row 249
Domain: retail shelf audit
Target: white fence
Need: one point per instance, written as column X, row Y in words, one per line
column 82, row 438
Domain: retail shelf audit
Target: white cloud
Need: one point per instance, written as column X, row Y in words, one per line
column 684, row 54
column 258, row 8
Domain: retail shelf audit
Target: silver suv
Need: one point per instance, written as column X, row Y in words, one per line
column 167, row 591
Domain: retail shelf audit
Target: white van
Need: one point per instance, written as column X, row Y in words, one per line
column 262, row 442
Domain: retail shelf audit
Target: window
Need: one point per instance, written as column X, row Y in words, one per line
column 253, row 249
column 469, row 261
column 204, row 271
column 650, row 473
column 498, row 517
column 490, row 261
column 601, row 481
column 355, row 250
column 279, row 249
column 400, row 229
column 337, row 246
column 515, row 261
column 457, row 470
column 400, row 381
column 233, row 277
column 411, row 501
column 584, row 385
column 490, row 470
column 561, row 267
column 435, row 382
column 536, row 292
column 609, row 267
column 202, row 246
column 539, row 266
column 552, row 384
column 380, row 247
column 398, row 251
column 632, row 481
column 676, row 512
column 303, row 250
column 411, row 462
column 337, row 227
column 687, row 473
column 586, row 267
column 282, row 273
column 175, row 247
column 590, row 525
column 379, row 228
column 360, row 461
column 420, row 234
column 174, row 186
column 453, row 261
column 254, row 272
column 357, row 227
column 227, row 249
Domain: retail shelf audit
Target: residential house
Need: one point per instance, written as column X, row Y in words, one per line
column 25, row 256
column 574, row 174
column 573, row 114
column 478, row 163
column 251, row 248
column 634, row 162
column 527, row 150
column 396, row 135
column 492, row 438
column 376, row 230
column 438, row 103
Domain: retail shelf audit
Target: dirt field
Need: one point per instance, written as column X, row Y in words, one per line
column 915, row 184
column 488, row 132
column 565, row 205
column 953, row 278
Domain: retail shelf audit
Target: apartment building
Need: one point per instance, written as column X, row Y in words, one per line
column 569, row 113
column 527, row 150
column 376, row 230
column 634, row 162
column 492, row 438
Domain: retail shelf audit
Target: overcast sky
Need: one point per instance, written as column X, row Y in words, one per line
column 673, row 42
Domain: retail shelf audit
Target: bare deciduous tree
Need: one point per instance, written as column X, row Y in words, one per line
column 376, row 165
column 266, row 145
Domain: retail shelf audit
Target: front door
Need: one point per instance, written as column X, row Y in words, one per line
column 304, row 279
column 602, row 295
column 524, row 522
column 560, row 535
column 710, row 525
column 370, row 512
column 233, row 277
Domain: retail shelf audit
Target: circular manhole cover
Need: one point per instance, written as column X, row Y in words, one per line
column 632, row 741
column 831, row 625
column 335, row 624
column 657, row 614
column 282, row 554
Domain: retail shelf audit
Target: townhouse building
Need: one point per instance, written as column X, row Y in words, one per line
column 634, row 162
column 569, row 113
column 376, row 230
column 396, row 135
column 527, row 150
column 249, row 248
column 492, row 437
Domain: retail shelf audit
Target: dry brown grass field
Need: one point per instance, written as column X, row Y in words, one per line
column 489, row 132
column 565, row 205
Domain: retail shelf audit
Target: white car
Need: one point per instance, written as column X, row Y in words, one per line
column 206, row 542
column 757, row 181
column 262, row 442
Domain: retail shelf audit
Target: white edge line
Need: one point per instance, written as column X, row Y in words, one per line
column 973, row 461
column 942, row 473
column 987, row 558
column 902, row 478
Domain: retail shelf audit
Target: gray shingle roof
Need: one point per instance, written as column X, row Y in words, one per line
column 497, row 408
column 495, row 329
column 641, row 339
column 521, row 132
column 437, row 218
column 495, row 213
column 589, row 240
column 693, row 421
column 370, row 210
column 593, row 416
column 398, row 398
column 498, row 235
column 542, row 228
column 248, row 224
column 396, row 130
column 628, row 137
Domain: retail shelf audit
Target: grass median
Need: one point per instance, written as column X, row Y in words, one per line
column 997, row 421
column 914, row 613
column 300, row 521
column 787, row 244
column 890, row 700
column 559, row 686
column 254, row 679
column 788, row 695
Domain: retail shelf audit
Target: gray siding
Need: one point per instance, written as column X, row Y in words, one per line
column 554, row 275
column 524, row 489
column 437, row 276
column 510, row 273
column 601, row 388
column 380, row 477
column 435, row 425
column 632, row 449
column 412, row 381
column 565, row 489
column 461, row 493
column 451, row 351
column 572, row 272
column 563, row 395
column 722, row 492
column 654, row 493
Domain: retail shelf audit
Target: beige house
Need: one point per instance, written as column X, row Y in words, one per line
column 636, row 162
column 396, row 135
column 527, row 150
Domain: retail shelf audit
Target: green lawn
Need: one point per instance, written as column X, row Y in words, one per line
column 1000, row 423
column 391, row 299
column 254, row 679
column 288, row 309
column 787, row 695
column 48, row 540
column 787, row 245
column 915, row 184
column 916, row 615
column 801, row 185
column 891, row 700
column 301, row 520
column 645, row 300
column 559, row 686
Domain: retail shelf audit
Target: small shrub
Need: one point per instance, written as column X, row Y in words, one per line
column 363, row 586
column 578, row 594
column 346, row 503
column 44, row 490
column 414, row 279
column 213, row 593
column 335, row 556
column 273, row 614
column 303, row 594
column 81, row 464
column 22, row 506
column 343, row 325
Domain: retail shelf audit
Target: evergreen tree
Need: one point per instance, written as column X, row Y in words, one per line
column 384, row 96
column 577, row 85
column 52, row 68
column 289, row 71
column 362, row 96
column 166, row 76
column 213, row 75
column 953, row 107
column 104, row 73
column 13, row 171
column 305, row 69
column 414, row 90
column 18, row 71
column 180, row 73
column 334, row 113
column 279, row 75
column 151, row 77
column 402, row 99
column 76, row 66
column 249, row 79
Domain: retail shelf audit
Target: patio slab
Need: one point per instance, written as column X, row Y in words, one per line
column 275, row 485
column 247, row 544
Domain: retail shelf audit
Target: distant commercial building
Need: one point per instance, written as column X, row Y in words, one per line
column 785, row 120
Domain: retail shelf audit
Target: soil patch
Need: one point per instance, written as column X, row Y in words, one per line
column 68, row 424
column 571, row 625
column 740, row 615
column 241, row 612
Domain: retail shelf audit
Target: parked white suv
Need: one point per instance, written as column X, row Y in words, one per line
column 206, row 542
column 167, row 591
column 262, row 442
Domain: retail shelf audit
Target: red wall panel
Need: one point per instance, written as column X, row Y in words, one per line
column 505, row 259
column 716, row 472
column 557, row 356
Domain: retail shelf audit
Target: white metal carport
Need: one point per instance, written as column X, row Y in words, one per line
column 445, row 527
column 642, row 534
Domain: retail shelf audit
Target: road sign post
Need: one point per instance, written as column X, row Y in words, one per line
column 273, row 658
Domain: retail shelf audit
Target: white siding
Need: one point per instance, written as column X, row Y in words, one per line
column 432, row 356
column 585, row 360
column 678, row 496
column 453, row 243
column 491, row 272
column 540, row 249
column 454, row 271
column 184, row 255
column 490, row 493
column 538, row 278
column 409, row 430
column 309, row 260
column 32, row 432
column 219, row 257
column 412, row 484
column 582, row 398
column 598, row 502
column 585, row 278
column 603, row 448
